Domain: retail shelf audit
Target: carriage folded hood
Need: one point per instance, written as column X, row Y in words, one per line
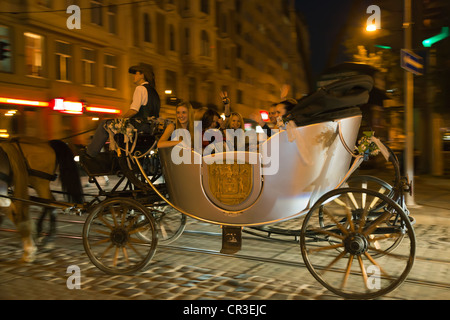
column 334, row 101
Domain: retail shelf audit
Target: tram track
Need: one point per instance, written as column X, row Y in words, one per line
column 295, row 264
column 217, row 235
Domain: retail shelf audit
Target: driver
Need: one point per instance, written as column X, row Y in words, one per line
column 146, row 104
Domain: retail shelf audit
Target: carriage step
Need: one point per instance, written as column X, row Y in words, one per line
column 231, row 239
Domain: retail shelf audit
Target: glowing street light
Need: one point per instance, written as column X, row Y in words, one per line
column 371, row 27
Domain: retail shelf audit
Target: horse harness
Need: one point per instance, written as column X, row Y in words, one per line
column 33, row 172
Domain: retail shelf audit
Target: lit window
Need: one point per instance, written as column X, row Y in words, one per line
column 33, row 54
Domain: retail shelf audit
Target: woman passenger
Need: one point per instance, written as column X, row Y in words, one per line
column 210, row 120
column 235, row 121
column 185, row 120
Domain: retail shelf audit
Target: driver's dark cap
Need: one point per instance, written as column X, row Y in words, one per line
column 134, row 69
column 144, row 69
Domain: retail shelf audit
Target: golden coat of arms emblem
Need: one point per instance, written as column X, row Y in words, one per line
column 231, row 184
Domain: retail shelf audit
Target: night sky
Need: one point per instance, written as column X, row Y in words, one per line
column 324, row 19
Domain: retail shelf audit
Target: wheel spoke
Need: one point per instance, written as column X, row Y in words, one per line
column 350, row 219
column 116, row 256
column 374, row 202
column 390, row 254
column 125, row 254
column 132, row 222
column 106, row 233
column 335, row 246
column 112, row 210
column 347, row 272
column 106, row 223
column 352, row 198
column 363, row 271
column 339, row 257
column 97, row 243
column 138, row 241
column 124, row 217
column 106, row 251
column 140, row 229
column 384, row 237
column 363, row 196
column 327, row 232
column 376, row 222
column 135, row 250
column 329, row 214
column 163, row 231
column 371, row 259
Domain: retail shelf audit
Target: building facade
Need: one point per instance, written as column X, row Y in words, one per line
column 197, row 48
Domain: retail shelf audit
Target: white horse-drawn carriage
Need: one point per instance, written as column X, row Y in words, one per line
column 347, row 236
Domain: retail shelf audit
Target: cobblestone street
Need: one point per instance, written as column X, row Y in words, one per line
column 189, row 275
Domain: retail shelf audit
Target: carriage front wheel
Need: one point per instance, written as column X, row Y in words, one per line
column 111, row 236
column 347, row 239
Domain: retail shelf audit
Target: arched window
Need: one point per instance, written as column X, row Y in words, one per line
column 147, row 28
column 205, row 46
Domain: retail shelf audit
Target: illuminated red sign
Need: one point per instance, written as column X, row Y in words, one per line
column 70, row 107
column 61, row 105
column 264, row 115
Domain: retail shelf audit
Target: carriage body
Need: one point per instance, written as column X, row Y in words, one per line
column 272, row 188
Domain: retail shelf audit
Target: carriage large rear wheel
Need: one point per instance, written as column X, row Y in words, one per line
column 111, row 236
column 347, row 239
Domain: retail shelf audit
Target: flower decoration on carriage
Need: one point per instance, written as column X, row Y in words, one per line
column 122, row 126
column 366, row 146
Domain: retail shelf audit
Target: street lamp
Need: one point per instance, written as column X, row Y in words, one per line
column 371, row 27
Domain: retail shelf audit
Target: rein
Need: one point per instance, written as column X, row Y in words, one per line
column 78, row 134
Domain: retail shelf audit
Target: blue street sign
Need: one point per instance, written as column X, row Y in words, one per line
column 411, row 62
